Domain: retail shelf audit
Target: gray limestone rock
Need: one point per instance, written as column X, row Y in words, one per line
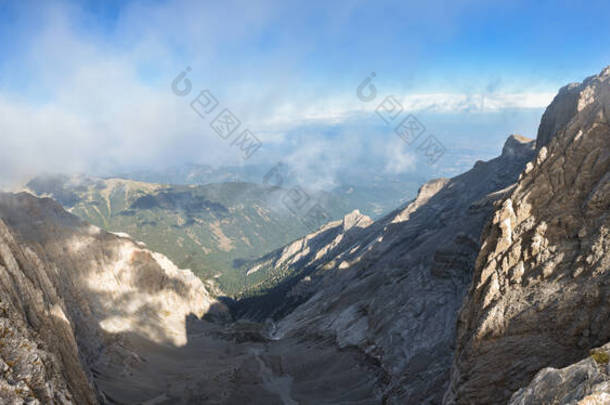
column 394, row 289
column 541, row 287
column 70, row 292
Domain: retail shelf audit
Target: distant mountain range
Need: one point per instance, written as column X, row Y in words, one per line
column 209, row 220
column 210, row 229
column 370, row 190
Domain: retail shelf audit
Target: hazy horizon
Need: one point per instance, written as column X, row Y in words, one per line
column 88, row 88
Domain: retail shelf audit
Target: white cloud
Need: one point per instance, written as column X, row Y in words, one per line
column 336, row 110
column 93, row 102
column 398, row 158
column 480, row 102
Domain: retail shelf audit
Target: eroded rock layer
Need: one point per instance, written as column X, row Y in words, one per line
column 70, row 292
column 391, row 289
column 541, row 290
column 584, row 383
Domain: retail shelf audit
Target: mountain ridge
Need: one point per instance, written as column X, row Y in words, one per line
column 75, row 288
column 394, row 292
column 540, row 281
column 209, row 229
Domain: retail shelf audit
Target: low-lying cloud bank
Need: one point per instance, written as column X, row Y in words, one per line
column 87, row 92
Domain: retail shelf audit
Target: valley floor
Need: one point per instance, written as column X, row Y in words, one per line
column 237, row 364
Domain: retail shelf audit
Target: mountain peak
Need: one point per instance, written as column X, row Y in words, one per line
column 576, row 101
column 517, row 145
column 355, row 218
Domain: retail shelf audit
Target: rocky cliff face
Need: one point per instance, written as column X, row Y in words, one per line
column 314, row 247
column 541, row 290
column 393, row 291
column 584, row 383
column 91, row 317
column 71, row 295
column 287, row 271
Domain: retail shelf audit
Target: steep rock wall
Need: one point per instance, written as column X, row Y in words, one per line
column 541, row 290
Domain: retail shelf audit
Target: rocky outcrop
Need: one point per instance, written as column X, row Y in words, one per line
column 568, row 103
column 584, row 383
column 541, row 287
column 284, row 274
column 31, row 371
column 393, row 291
column 314, row 247
column 72, row 297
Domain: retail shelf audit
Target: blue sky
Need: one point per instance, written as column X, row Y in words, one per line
column 86, row 85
